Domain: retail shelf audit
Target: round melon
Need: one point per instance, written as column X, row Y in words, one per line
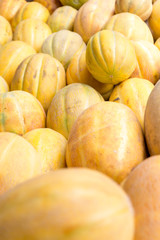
column 131, row 26
column 92, row 17
column 30, row 10
column 62, row 18
column 68, row 104
column 19, row 161
column 63, row 45
column 134, row 93
column 77, row 72
column 110, row 57
column 51, row 145
column 41, row 75
column 5, row 31
column 32, row 31
column 11, row 55
column 104, row 137
column 151, row 121
column 142, row 186
column 20, row 112
column 9, row 8
column 141, row 8
column 68, row 204
column 148, row 61
column 154, row 20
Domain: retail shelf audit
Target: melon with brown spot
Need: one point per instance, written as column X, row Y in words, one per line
column 134, row 93
column 42, row 76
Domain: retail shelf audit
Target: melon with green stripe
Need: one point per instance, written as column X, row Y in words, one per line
column 40, row 75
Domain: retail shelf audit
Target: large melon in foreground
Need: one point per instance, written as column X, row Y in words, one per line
column 142, row 186
column 19, row 161
column 11, row 55
column 152, row 121
column 20, row 112
column 67, row 204
column 110, row 57
column 104, row 137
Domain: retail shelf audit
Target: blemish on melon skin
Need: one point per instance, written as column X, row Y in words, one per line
column 116, row 99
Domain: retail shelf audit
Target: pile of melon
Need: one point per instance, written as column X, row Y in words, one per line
column 80, row 120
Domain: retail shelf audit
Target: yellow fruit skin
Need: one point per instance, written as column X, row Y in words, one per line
column 68, row 104
column 63, row 45
column 104, row 137
column 20, row 112
column 32, row 31
column 3, row 86
column 51, row 145
column 131, row 26
column 9, row 8
column 77, row 72
column 5, row 31
column 11, row 55
column 150, row 68
column 142, row 186
column 19, row 161
column 110, row 57
column 41, row 75
column 75, row 4
column 154, row 20
column 92, row 17
column 134, row 93
column 141, row 8
column 30, row 10
column 51, row 5
column 62, row 18
column 72, row 204
column 157, row 43
column 152, row 121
